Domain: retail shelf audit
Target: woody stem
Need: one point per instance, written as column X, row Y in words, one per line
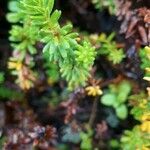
column 93, row 112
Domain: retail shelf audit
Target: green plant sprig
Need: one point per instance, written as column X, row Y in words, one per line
column 134, row 139
column 109, row 48
column 116, row 97
column 75, row 58
column 101, row 4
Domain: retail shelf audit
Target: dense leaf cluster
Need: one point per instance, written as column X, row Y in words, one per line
column 40, row 23
column 116, row 97
column 110, row 49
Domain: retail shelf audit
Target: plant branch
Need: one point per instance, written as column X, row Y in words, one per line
column 93, row 113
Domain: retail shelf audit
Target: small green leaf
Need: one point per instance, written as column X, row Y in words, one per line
column 50, row 5
column 111, row 36
column 46, row 47
column 55, row 16
column 32, row 49
column 66, row 29
column 108, row 99
column 62, row 51
column 122, row 111
column 38, row 20
column 124, row 89
column 13, row 6
column 13, row 17
column 122, row 97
